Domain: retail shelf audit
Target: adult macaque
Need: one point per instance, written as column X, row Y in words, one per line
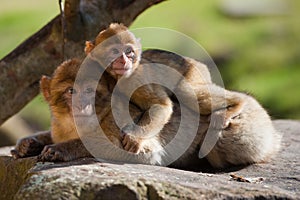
column 243, row 129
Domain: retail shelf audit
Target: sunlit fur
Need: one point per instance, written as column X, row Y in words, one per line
column 248, row 138
column 213, row 100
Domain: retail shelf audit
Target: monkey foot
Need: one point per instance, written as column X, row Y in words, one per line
column 27, row 147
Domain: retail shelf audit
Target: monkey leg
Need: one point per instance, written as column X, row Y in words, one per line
column 64, row 151
column 32, row 145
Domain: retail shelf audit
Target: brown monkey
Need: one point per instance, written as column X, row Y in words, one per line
column 66, row 100
column 58, row 94
column 241, row 143
column 246, row 135
column 117, row 49
column 69, row 99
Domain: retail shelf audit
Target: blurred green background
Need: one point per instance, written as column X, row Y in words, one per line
column 255, row 44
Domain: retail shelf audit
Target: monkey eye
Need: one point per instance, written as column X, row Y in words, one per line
column 89, row 90
column 115, row 51
column 128, row 50
column 71, row 91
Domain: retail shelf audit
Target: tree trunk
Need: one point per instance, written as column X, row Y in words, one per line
column 21, row 70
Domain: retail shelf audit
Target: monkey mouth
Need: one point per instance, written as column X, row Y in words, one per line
column 87, row 111
column 80, row 115
column 120, row 70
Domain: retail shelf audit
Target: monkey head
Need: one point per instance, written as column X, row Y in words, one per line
column 116, row 49
column 66, row 97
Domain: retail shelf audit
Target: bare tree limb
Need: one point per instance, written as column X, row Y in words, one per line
column 20, row 70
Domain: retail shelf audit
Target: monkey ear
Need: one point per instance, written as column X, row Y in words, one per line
column 45, row 87
column 89, row 46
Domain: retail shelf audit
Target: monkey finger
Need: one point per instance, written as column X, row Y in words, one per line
column 134, row 149
column 15, row 154
column 131, row 147
column 46, row 154
column 126, row 140
column 127, row 146
column 57, row 156
column 40, row 158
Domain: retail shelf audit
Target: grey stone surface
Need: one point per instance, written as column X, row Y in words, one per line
column 88, row 179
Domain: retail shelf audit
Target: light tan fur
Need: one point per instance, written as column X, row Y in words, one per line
column 67, row 144
column 241, row 143
column 232, row 112
column 244, row 132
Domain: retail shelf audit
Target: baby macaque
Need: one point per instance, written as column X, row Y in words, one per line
column 74, row 100
column 241, row 143
column 240, row 131
column 119, row 52
column 234, row 116
column 58, row 92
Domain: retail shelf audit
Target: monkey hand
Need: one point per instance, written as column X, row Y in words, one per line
column 130, row 138
column 132, row 144
column 65, row 151
column 27, row 147
column 55, row 152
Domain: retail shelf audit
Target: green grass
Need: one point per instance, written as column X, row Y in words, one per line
column 262, row 54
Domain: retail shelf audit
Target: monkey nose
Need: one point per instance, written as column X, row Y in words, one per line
column 122, row 59
column 87, row 110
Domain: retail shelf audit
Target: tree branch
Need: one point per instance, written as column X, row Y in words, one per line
column 21, row 70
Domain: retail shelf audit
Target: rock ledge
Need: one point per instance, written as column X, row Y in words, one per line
column 88, row 179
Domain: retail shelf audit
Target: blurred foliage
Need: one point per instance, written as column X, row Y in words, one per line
column 257, row 54
column 18, row 21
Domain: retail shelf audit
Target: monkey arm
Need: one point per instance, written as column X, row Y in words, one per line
column 157, row 114
column 44, row 137
column 31, row 145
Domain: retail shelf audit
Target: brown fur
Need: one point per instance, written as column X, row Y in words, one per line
column 155, row 97
column 242, row 143
column 243, row 130
column 67, row 143
column 226, row 108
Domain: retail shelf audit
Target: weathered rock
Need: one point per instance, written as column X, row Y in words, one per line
column 88, row 179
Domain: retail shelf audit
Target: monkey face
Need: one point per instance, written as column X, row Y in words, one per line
column 123, row 58
column 81, row 98
column 116, row 49
column 119, row 59
column 67, row 97
column 72, row 100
